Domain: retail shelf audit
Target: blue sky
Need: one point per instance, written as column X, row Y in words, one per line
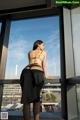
column 23, row 34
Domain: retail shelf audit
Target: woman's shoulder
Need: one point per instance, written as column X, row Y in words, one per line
column 30, row 53
column 44, row 52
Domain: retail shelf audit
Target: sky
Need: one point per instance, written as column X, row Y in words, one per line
column 23, row 34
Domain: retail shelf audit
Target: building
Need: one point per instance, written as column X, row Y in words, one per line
column 12, row 96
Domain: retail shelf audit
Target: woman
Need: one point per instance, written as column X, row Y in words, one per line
column 36, row 70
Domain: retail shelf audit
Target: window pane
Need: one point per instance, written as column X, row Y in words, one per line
column 11, row 97
column 76, row 38
column 23, row 33
column 0, row 27
column 78, row 98
column 50, row 98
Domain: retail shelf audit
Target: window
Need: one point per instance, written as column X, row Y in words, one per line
column 78, row 97
column 23, row 34
column 72, row 43
column 76, row 39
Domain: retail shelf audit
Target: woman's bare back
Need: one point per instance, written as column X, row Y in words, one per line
column 36, row 57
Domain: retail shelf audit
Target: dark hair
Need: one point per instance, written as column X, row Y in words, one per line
column 36, row 43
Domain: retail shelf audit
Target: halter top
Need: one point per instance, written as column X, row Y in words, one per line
column 35, row 65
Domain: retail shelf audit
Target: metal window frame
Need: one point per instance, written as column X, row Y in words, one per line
column 71, row 83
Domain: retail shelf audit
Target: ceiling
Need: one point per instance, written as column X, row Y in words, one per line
column 13, row 4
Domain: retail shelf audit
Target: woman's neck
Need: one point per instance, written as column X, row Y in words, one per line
column 38, row 49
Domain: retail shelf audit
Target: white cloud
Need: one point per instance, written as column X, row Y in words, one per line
column 53, row 66
column 18, row 50
column 53, row 41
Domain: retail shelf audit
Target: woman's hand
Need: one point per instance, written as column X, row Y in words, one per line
column 46, row 76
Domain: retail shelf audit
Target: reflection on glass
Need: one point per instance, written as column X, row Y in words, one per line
column 0, row 27
column 50, row 98
column 11, row 97
column 76, row 38
column 23, row 33
column 78, row 97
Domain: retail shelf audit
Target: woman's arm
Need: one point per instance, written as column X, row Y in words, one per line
column 44, row 65
column 28, row 59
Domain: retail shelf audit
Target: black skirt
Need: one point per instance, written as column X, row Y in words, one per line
column 30, row 91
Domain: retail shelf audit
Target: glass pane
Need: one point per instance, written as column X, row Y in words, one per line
column 50, row 98
column 11, row 98
column 78, row 98
column 23, row 33
column 72, row 103
column 76, row 38
column 0, row 26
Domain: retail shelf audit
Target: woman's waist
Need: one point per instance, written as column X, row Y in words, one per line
column 35, row 66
